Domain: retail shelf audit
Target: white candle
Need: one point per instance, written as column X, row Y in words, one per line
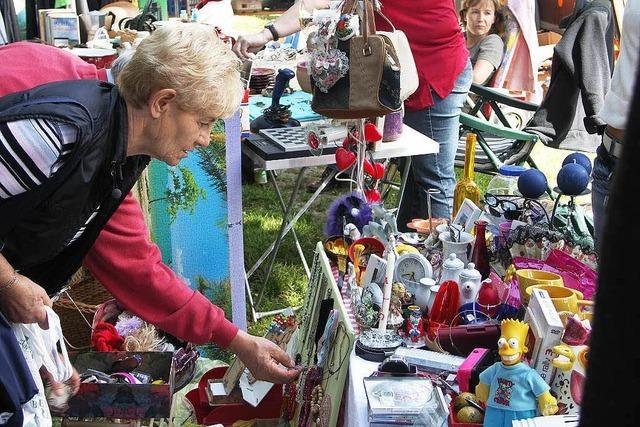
column 386, row 292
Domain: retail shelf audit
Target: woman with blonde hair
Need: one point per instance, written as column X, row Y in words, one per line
column 70, row 152
column 484, row 26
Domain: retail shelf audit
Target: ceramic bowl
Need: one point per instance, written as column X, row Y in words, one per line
column 334, row 242
column 422, row 225
column 302, row 75
column 371, row 246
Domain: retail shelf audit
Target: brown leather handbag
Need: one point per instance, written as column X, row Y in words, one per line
column 371, row 87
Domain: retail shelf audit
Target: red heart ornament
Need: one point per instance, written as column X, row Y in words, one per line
column 347, row 142
column 372, row 195
column 371, row 133
column 369, row 169
column 344, row 158
column 379, row 171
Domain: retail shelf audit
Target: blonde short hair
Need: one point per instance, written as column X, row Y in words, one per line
column 190, row 59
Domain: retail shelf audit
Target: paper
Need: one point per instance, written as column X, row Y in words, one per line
column 217, row 389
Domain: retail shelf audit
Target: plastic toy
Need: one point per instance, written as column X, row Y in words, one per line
column 571, row 361
column 510, row 388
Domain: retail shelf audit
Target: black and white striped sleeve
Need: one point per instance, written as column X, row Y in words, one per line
column 31, row 151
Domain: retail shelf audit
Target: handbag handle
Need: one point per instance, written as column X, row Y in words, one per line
column 349, row 7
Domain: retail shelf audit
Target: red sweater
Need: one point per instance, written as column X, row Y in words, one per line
column 436, row 41
column 123, row 258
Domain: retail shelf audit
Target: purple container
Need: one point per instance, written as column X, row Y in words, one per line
column 392, row 126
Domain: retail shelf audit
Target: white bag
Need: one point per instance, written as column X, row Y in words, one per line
column 408, row 72
column 40, row 348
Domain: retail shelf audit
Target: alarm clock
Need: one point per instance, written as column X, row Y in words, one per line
column 410, row 268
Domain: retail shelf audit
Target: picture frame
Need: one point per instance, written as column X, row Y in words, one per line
column 467, row 215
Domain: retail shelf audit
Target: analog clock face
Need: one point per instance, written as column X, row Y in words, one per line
column 410, row 268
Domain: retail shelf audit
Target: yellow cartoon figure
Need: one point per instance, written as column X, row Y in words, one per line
column 510, row 388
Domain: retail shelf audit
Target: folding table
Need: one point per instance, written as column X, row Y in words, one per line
column 267, row 157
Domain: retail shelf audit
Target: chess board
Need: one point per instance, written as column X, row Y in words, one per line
column 288, row 139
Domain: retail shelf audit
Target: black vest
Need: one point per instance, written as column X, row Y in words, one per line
column 37, row 226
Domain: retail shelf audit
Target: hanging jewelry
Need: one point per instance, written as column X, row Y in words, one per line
column 317, row 394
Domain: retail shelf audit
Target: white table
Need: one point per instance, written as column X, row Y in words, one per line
column 411, row 143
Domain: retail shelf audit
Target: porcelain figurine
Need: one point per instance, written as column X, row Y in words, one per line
column 451, row 269
column 510, row 388
column 468, row 292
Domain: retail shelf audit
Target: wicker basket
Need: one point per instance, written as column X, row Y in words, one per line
column 84, row 297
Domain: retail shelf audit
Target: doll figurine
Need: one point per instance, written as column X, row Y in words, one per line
column 510, row 388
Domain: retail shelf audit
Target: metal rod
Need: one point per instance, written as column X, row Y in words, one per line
column 301, row 212
column 282, row 231
column 293, row 230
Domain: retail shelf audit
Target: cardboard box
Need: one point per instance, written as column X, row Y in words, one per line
column 129, row 401
column 545, row 332
column 547, row 37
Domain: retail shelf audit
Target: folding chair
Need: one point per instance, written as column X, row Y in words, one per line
column 498, row 144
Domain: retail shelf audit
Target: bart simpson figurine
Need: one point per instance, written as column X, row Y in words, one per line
column 510, row 388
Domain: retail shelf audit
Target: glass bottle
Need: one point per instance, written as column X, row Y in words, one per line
column 466, row 188
column 480, row 256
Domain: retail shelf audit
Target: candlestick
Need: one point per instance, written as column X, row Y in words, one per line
column 388, row 284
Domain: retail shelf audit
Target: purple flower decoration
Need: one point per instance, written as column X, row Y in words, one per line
column 128, row 324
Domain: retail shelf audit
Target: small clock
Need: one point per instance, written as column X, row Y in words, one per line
column 410, row 268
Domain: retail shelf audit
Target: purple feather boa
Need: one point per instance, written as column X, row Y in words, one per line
column 349, row 208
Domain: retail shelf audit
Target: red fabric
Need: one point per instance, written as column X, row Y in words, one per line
column 129, row 265
column 123, row 258
column 105, row 337
column 25, row 65
column 436, row 41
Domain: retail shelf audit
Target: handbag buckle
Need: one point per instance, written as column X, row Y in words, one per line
column 366, row 50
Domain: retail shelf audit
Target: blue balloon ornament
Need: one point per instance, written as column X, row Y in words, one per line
column 579, row 158
column 532, row 183
column 573, row 179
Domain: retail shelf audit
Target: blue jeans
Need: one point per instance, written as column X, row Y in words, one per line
column 601, row 175
column 441, row 122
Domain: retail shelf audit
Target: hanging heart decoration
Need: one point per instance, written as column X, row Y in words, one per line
column 344, row 159
column 371, row 133
column 378, row 171
column 372, row 195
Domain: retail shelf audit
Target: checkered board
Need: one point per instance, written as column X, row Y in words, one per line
column 288, row 139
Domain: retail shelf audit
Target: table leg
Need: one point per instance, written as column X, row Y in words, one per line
column 282, row 232
column 293, row 230
column 403, row 183
column 301, row 212
column 255, row 314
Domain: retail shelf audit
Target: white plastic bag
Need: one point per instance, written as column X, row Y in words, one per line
column 40, row 348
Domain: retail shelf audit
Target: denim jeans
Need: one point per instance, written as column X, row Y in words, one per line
column 441, row 122
column 601, row 175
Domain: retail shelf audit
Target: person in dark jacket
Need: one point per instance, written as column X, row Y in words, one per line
column 581, row 75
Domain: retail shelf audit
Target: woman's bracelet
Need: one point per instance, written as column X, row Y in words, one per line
column 10, row 283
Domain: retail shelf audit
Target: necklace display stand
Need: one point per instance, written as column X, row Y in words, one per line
column 318, row 391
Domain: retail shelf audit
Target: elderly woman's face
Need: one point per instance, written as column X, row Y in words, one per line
column 480, row 17
column 181, row 132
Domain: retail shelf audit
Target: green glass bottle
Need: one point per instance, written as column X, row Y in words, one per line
column 467, row 188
